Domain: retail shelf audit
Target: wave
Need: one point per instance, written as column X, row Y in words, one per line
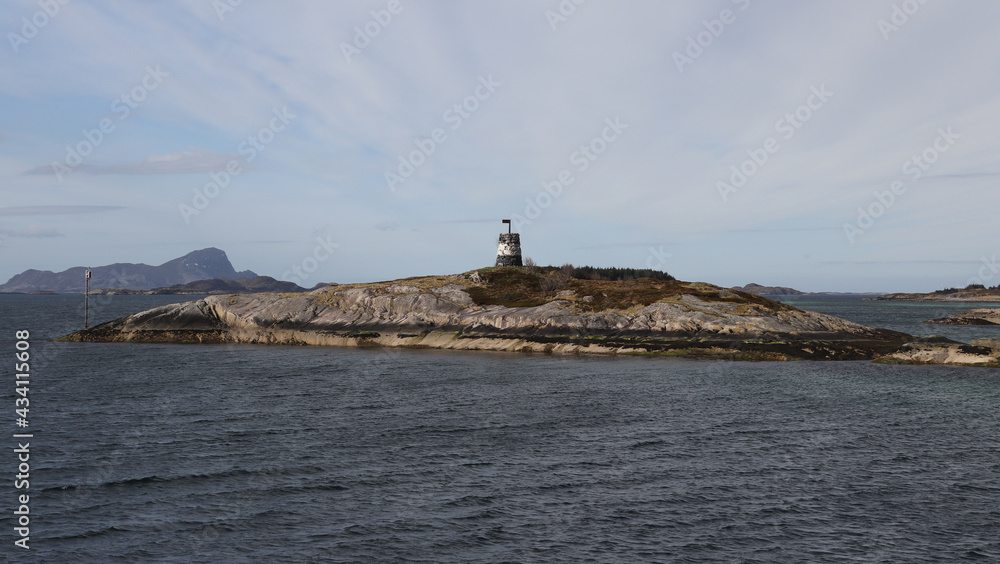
column 91, row 533
column 182, row 478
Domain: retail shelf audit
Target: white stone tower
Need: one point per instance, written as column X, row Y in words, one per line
column 509, row 248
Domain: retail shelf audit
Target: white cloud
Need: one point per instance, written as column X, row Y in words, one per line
column 182, row 162
column 54, row 210
column 32, row 231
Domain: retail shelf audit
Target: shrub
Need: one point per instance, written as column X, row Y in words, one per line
column 529, row 264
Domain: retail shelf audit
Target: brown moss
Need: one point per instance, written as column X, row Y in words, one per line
column 508, row 286
column 518, row 287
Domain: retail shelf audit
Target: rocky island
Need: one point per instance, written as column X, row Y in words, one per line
column 979, row 316
column 514, row 309
column 941, row 350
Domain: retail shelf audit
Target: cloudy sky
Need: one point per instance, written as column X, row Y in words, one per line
column 829, row 145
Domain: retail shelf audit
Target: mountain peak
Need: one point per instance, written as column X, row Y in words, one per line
column 203, row 264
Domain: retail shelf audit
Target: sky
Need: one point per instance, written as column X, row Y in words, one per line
column 838, row 145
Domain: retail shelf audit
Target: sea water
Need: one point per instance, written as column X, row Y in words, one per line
column 217, row 453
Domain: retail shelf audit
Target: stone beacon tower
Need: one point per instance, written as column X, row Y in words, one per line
column 509, row 249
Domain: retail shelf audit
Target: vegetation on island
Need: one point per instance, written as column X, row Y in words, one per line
column 592, row 288
column 975, row 292
column 969, row 287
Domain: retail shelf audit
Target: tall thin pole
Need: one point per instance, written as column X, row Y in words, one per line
column 86, row 302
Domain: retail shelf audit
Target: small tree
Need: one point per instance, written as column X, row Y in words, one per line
column 529, row 263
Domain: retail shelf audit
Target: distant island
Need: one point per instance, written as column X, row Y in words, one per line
column 203, row 264
column 971, row 293
column 759, row 290
column 517, row 309
column 215, row 286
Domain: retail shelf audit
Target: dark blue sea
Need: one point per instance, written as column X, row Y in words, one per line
column 214, row 453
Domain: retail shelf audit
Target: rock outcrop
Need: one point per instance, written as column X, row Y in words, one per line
column 981, row 316
column 941, row 350
column 511, row 310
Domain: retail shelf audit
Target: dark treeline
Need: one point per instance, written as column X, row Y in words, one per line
column 969, row 287
column 615, row 273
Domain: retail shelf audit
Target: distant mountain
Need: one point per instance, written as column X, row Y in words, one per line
column 215, row 286
column 758, row 290
column 198, row 265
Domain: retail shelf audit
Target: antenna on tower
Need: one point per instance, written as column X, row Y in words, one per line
column 86, row 300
